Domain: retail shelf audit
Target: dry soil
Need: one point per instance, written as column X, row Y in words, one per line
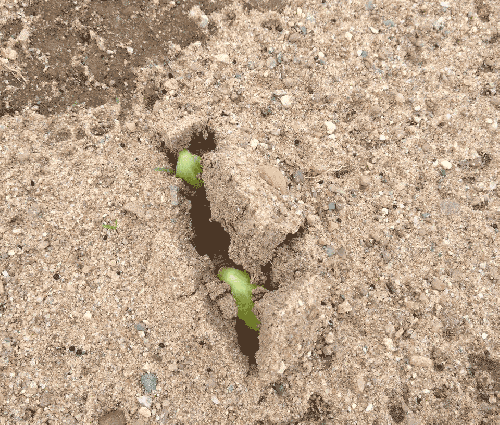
column 350, row 155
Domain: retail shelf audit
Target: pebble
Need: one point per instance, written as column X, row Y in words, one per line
column 223, row 58
column 446, row 164
column 130, row 125
column 330, row 127
column 198, row 16
column 145, row 400
column 272, row 175
column 332, row 226
column 495, row 102
column 145, row 412
column 399, row 98
column 286, row 101
column 360, row 382
column 335, row 189
column 421, row 361
column 438, row 284
column 313, row 219
column 322, row 242
column 11, row 54
column 298, row 176
column 389, row 329
column 149, row 382
column 364, row 181
column 330, row 251
column 389, row 344
column 345, row 307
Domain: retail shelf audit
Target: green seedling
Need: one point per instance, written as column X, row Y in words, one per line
column 167, row 170
column 109, row 226
column 241, row 289
column 188, row 168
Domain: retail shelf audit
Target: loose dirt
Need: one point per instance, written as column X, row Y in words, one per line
column 350, row 155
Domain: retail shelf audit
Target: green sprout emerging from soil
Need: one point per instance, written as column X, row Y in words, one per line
column 241, row 289
column 109, row 226
column 188, row 168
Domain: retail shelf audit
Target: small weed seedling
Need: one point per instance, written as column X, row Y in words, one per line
column 109, row 226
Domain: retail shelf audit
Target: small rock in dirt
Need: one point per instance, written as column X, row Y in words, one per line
column 286, row 101
column 313, row 219
column 130, row 125
column 273, row 176
column 298, row 177
column 330, row 127
column 438, row 284
column 399, row 98
column 144, row 411
column 345, row 307
column 364, row 181
column 421, row 361
column 446, row 164
column 115, row 417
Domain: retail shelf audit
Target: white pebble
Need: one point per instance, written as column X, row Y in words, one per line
column 330, row 127
column 143, row 411
column 389, row 344
column 286, row 101
column 446, row 164
column 224, row 58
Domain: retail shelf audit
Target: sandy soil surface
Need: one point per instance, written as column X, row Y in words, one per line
column 350, row 154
